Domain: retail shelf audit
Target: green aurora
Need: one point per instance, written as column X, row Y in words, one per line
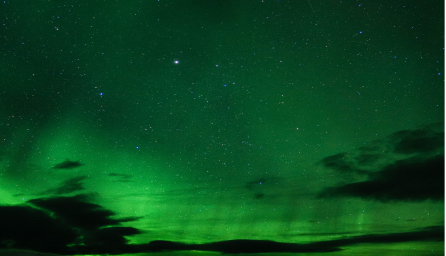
column 200, row 127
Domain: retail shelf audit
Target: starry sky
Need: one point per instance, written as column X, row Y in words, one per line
column 200, row 127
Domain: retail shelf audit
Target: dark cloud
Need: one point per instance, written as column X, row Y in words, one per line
column 64, row 225
column 79, row 213
column 122, row 177
column 365, row 159
column 434, row 234
column 109, row 236
column 107, row 241
column 406, row 166
column 68, row 186
column 126, row 176
column 406, row 180
column 234, row 247
column 341, row 163
column 23, row 227
column 67, row 164
column 262, row 246
column 425, row 140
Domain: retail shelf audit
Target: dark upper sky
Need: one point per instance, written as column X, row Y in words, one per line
column 144, row 126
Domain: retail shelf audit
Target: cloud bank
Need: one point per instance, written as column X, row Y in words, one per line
column 406, row 166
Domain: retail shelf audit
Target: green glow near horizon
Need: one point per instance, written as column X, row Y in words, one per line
column 279, row 122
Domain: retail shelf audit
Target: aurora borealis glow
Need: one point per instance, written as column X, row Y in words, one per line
column 200, row 127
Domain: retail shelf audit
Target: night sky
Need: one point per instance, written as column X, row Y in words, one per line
column 201, row 127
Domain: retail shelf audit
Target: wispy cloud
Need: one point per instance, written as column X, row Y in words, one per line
column 67, row 164
column 69, row 186
column 121, row 177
